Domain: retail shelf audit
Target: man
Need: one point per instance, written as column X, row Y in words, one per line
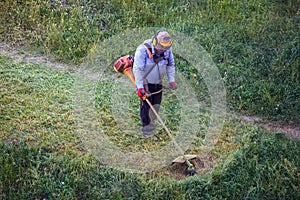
column 153, row 59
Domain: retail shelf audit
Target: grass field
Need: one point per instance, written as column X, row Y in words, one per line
column 255, row 46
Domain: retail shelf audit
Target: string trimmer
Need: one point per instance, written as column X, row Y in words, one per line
column 124, row 65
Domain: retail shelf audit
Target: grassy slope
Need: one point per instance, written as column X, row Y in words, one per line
column 255, row 45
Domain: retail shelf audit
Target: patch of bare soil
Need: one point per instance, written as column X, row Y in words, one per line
column 289, row 130
column 178, row 171
column 25, row 56
column 20, row 54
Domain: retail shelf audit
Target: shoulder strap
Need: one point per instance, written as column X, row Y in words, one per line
column 149, row 49
column 150, row 54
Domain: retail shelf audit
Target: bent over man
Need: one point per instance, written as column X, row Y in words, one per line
column 152, row 61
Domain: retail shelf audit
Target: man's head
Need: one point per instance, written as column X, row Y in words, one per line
column 161, row 41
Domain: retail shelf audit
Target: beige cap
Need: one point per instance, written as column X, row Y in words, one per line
column 162, row 40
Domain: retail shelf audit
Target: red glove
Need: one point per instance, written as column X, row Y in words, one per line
column 141, row 92
column 173, row 85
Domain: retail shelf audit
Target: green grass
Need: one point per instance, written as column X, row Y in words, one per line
column 255, row 45
column 264, row 168
column 36, row 104
column 117, row 132
column 42, row 157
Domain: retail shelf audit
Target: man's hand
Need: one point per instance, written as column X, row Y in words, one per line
column 173, row 85
column 141, row 92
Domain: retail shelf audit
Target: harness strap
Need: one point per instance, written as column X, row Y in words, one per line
column 156, row 60
column 149, row 50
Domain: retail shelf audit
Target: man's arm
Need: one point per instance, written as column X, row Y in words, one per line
column 139, row 66
column 171, row 67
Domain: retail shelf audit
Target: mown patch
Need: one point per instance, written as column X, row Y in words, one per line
column 171, row 109
column 36, row 105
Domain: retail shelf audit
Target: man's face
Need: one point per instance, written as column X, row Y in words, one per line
column 159, row 50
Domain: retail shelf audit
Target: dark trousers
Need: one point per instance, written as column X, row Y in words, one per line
column 155, row 100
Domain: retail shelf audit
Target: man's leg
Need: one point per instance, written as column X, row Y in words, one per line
column 147, row 115
column 147, row 124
